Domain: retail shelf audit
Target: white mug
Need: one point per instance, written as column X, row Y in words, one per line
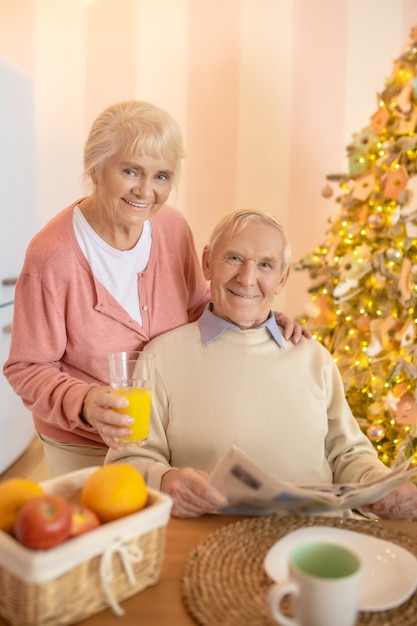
column 324, row 586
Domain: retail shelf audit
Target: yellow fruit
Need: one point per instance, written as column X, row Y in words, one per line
column 14, row 493
column 113, row 491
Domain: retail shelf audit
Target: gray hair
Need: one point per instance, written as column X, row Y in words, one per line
column 235, row 221
column 132, row 128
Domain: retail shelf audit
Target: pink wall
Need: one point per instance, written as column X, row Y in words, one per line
column 109, row 54
column 317, row 123
column 268, row 94
column 212, row 105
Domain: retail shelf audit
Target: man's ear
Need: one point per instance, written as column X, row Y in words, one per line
column 205, row 263
column 282, row 281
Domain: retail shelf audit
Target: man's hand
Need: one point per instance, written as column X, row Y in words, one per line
column 291, row 330
column 191, row 492
column 399, row 504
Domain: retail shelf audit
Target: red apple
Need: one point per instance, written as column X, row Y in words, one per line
column 83, row 519
column 43, row 522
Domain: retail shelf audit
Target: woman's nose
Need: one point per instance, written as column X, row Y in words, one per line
column 144, row 188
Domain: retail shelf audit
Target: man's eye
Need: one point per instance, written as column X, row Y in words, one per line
column 129, row 172
column 266, row 265
column 234, row 260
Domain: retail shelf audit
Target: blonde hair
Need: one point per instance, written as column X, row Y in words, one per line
column 132, row 128
column 235, row 221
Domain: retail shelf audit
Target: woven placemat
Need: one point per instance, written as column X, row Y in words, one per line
column 224, row 583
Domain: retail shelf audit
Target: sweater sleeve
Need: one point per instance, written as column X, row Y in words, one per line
column 351, row 455
column 34, row 365
column 48, row 360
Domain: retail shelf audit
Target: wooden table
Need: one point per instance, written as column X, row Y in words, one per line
column 161, row 604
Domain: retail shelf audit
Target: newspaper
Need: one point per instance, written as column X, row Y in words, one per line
column 251, row 491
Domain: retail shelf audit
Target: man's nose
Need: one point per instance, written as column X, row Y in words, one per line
column 247, row 273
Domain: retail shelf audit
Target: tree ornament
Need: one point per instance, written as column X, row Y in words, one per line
column 407, row 334
column 344, row 287
column 363, row 187
column 406, row 143
column 395, row 183
column 358, row 163
column 405, row 284
column 376, row 432
column 393, row 254
column 374, row 348
column 379, row 120
column 406, row 410
column 376, row 220
column 390, row 402
column 403, row 196
column 411, row 229
column 327, row 191
column 407, row 124
column 364, row 141
column 403, row 101
column 362, row 322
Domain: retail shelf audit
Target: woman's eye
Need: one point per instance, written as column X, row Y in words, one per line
column 163, row 178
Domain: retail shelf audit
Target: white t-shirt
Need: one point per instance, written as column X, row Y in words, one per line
column 116, row 269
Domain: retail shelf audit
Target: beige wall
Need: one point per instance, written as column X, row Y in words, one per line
column 268, row 92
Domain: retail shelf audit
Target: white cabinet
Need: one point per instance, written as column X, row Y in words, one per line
column 17, row 226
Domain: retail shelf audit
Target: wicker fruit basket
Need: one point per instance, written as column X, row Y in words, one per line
column 88, row 573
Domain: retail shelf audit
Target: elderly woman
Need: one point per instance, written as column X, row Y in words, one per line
column 110, row 272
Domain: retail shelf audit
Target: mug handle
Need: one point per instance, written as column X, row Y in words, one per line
column 275, row 595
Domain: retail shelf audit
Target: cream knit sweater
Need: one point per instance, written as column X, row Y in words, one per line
column 284, row 407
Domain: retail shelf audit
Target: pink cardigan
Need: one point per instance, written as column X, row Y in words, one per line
column 66, row 322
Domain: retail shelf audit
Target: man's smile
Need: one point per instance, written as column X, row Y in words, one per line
column 242, row 295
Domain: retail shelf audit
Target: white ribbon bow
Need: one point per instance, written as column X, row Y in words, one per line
column 129, row 555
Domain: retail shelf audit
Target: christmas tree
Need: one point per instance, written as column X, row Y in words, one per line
column 364, row 274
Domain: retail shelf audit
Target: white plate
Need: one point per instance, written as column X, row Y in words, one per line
column 389, row 571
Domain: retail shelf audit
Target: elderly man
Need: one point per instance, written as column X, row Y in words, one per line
column 231, row 378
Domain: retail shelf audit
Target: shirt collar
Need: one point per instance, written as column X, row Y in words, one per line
column 212, row 326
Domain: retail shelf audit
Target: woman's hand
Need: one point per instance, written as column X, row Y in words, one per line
column 399, row 504
column 98, row 412
column 191, row 492
column 291, row 330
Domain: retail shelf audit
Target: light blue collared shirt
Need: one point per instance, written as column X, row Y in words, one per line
column 211, row 326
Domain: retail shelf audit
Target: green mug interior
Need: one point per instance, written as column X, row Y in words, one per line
column 325, row 560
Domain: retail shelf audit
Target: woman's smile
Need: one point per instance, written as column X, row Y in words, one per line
column 137, row 205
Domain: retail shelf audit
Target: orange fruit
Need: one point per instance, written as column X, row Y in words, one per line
column 14, row 493
column 114, row 490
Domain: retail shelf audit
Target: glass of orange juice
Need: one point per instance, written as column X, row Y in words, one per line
column 132, row 375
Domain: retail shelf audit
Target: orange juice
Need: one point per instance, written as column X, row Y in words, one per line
column 140, row 409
